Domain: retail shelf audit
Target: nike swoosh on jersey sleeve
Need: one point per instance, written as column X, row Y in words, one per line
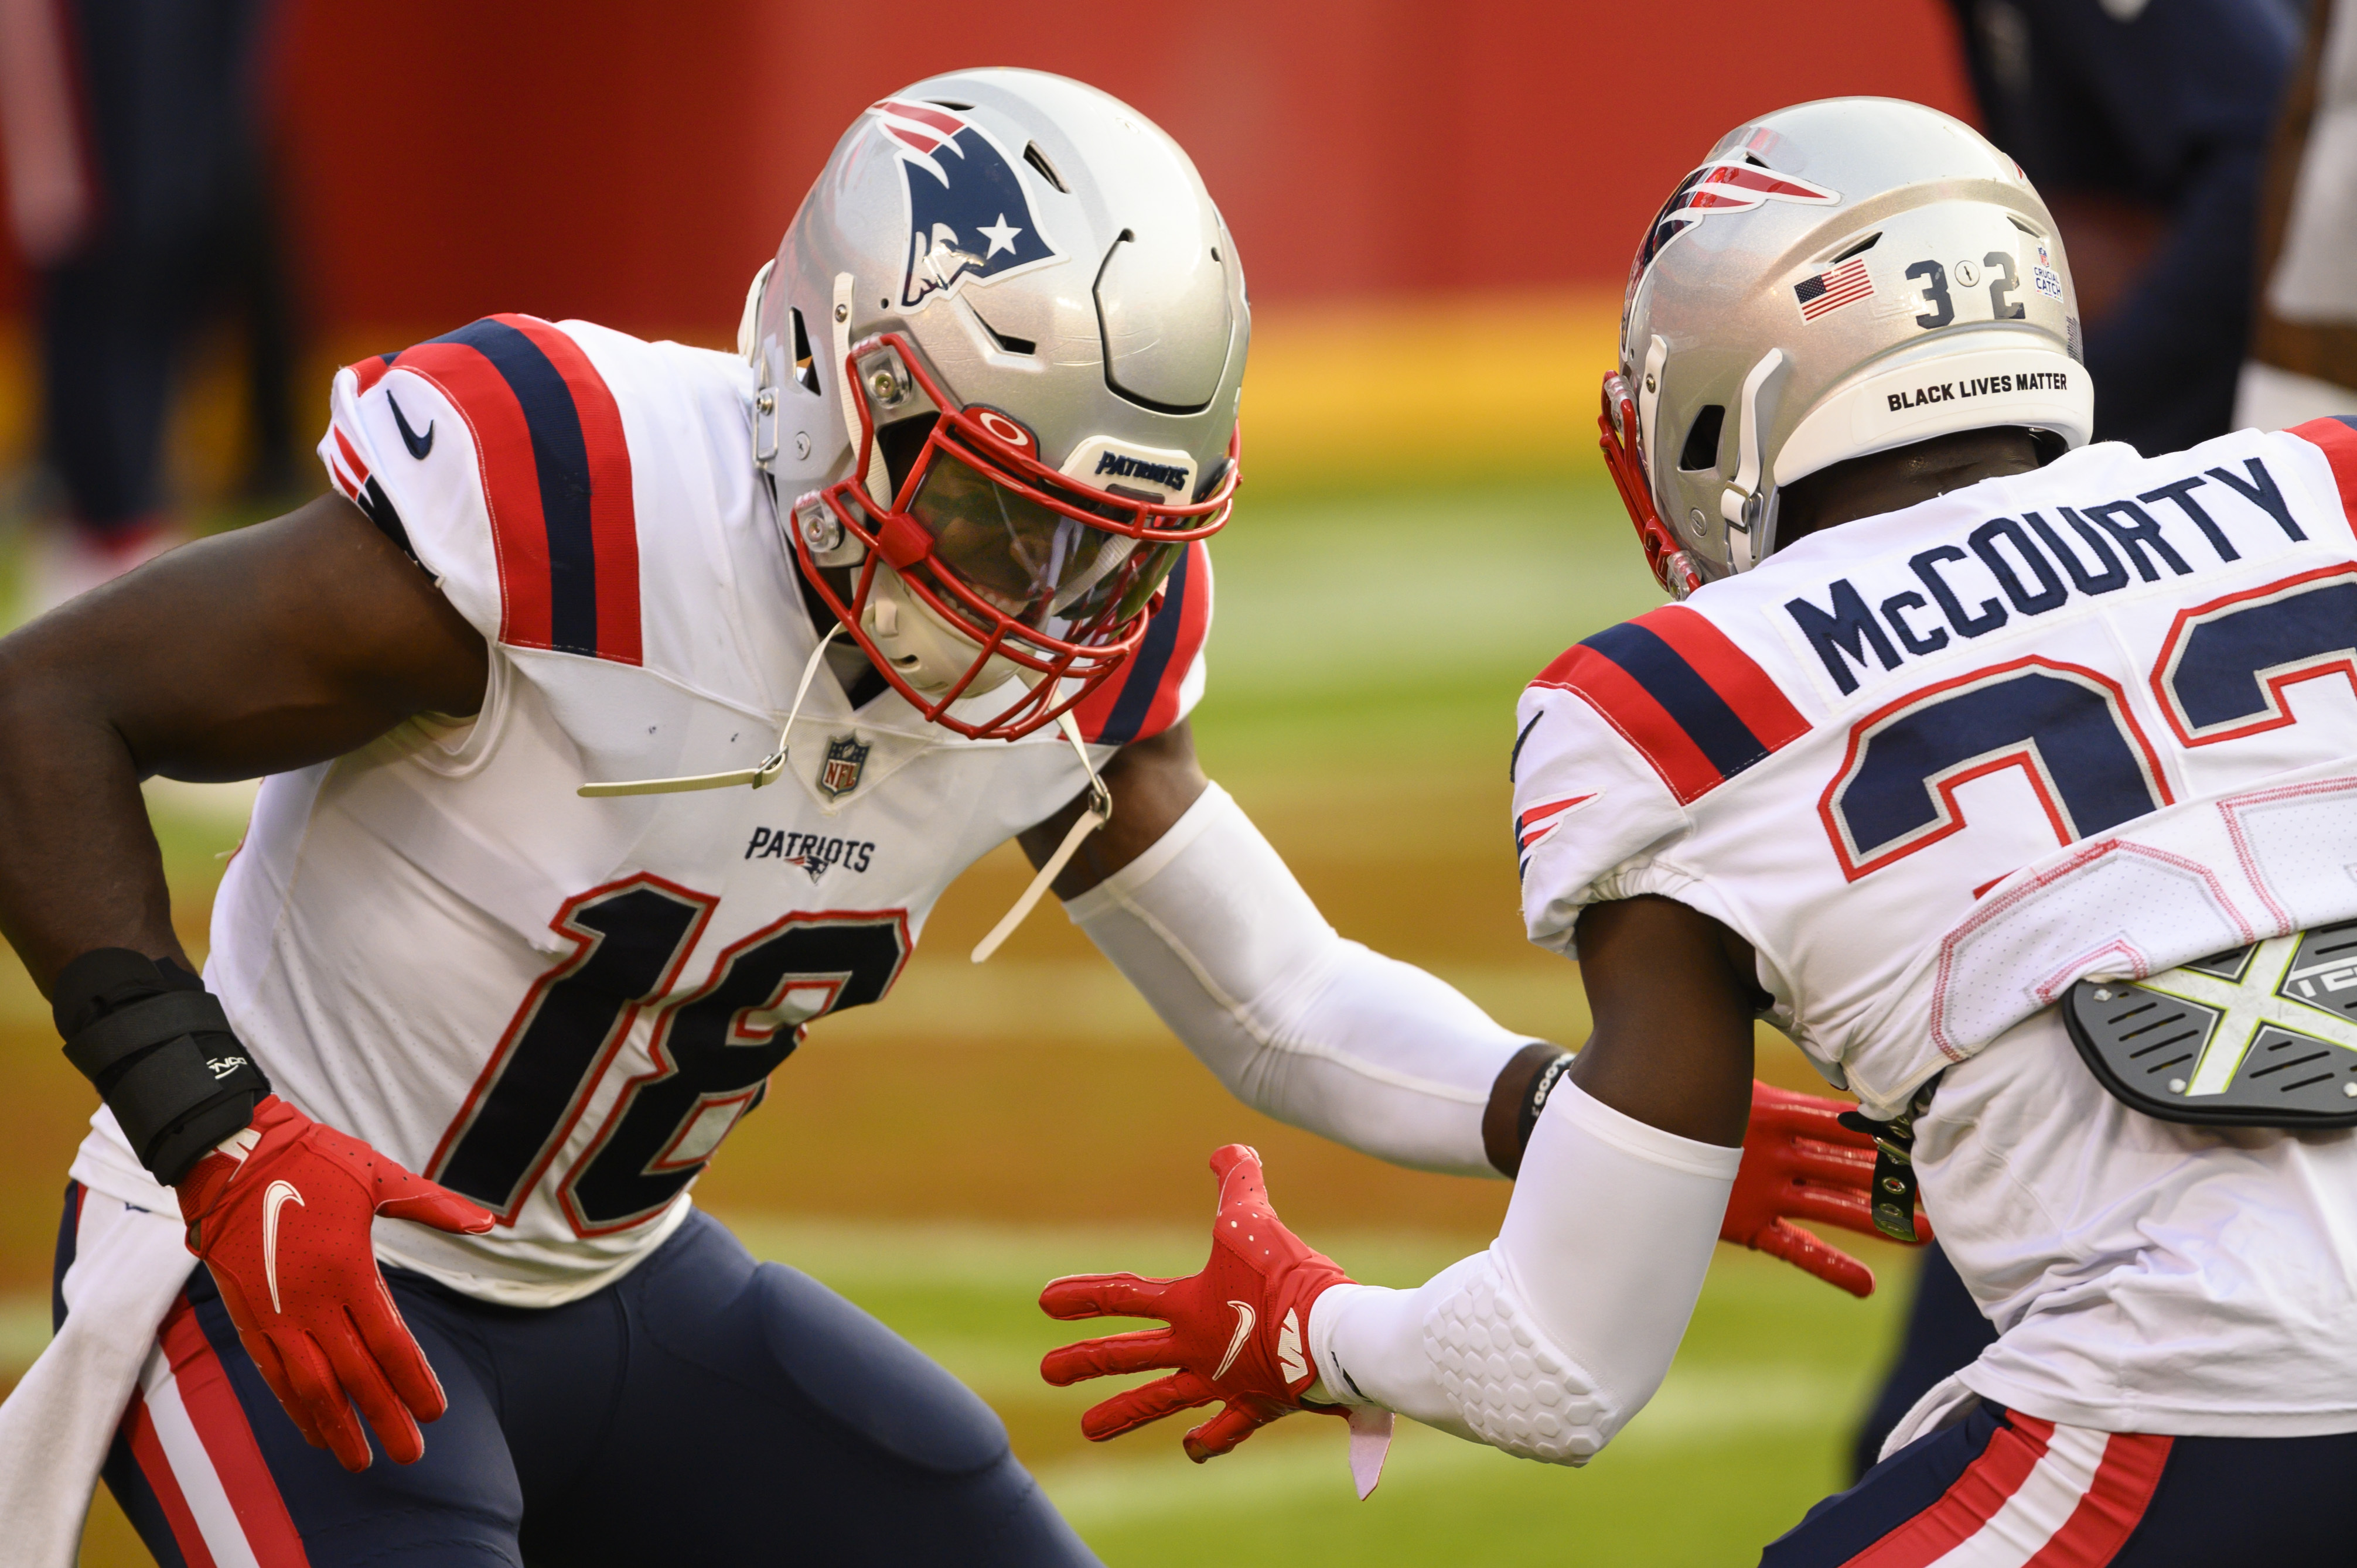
column 544, row 470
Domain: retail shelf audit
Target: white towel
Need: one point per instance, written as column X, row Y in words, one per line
column 130, row 1264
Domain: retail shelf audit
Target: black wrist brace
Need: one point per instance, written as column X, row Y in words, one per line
column 159, row 1049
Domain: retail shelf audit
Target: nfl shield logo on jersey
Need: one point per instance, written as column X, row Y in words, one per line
column 846, row 756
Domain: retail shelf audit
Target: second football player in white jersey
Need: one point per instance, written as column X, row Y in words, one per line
column 2013, row 780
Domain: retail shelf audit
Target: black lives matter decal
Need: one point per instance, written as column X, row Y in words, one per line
column 1964, row 390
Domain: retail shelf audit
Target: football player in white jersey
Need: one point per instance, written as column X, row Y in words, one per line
column 2012, row 778
column 629, row 708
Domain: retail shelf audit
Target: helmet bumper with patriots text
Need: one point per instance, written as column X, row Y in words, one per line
column 999, row 355
column 1837, row 279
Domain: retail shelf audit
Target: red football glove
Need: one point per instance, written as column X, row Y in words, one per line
column 1800, row 1162
column 283, row 1225
column 1238, row 1330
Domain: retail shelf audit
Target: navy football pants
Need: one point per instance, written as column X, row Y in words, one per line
column 1999, row 1490
column 703, row 1409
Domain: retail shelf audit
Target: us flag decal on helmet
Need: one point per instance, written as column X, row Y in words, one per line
column 1833, row 289
column 1732, row 185
column 968, row 215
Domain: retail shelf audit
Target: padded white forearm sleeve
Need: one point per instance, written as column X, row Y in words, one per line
column 1546, row 1344
column 1317, row 1031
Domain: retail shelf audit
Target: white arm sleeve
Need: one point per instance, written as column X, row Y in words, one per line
column 1317, row 1031
column 1546, row 1344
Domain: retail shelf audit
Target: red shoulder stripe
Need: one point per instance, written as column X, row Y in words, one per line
column 371, row 370
column 1532, row 826
column 2338, row 442
column 557, row 476
column 1143, row 701
column 474, row 387
column 1732, row 673
column 1627, row 708
column 613, row 512
column 352, row 473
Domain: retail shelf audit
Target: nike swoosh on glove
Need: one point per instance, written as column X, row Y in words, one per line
column 1801, row 1163
column 280, row 1213
column 1237, row 1330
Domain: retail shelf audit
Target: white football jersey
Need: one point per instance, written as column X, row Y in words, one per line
column 560, row 1006
column 1938, row 766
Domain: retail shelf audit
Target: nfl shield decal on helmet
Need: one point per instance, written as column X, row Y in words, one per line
column 968, row 214
column 846, row 757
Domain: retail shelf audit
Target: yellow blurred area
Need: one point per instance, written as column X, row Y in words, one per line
column 1408, row 391
column 1371, row 392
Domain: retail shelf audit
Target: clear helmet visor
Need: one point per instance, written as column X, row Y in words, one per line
column 1038, row 565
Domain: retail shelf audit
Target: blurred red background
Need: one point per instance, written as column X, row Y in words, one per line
column 635, row 164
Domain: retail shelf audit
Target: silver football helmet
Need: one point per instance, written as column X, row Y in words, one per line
column 1837, row 278
column 1000, row 354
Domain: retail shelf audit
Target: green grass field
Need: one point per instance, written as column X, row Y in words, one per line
column 940, row 1157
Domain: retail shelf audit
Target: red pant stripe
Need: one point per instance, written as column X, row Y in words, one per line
column 148, row 1450
column 2113, row 1506
column 220, row 1423
column 1971, row 1503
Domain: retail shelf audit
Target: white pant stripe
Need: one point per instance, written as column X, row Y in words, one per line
column 2038, row 1508
column 192, row 1468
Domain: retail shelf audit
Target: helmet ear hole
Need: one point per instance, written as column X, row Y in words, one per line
column 1701, row 449
column 805, row 363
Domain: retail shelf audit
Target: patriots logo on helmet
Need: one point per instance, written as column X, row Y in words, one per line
column 1731, row 184
column 968, row 215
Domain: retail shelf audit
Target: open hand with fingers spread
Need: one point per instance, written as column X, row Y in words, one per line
column 280, row 1213
column 1237, row 1332
column 1801, row 1163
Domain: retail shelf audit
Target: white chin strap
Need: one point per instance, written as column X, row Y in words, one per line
column 906, row 630
column 762, row 773
column 1099, row 813
column 1741, row 504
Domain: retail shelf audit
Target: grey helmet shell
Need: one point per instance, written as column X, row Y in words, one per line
column 1969, row 319
column 1118, row 323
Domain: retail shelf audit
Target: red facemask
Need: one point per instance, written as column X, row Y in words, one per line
column 1053, row 576
column 1625, row 461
